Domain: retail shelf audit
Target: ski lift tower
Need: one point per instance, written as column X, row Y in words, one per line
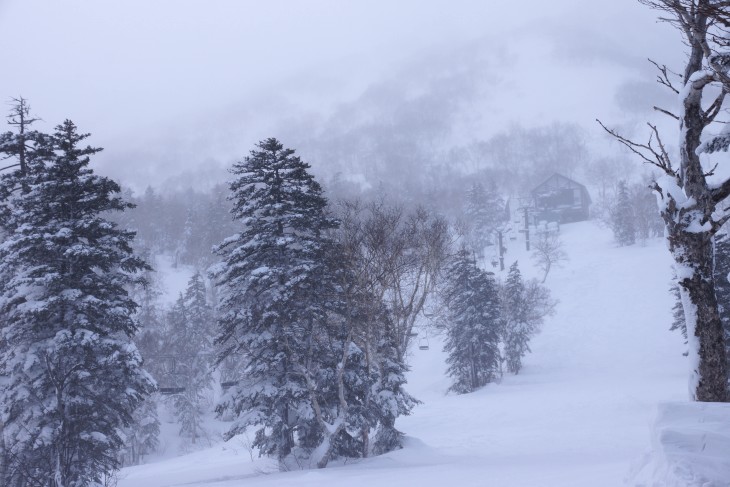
column 503, row 231
column 525, row 210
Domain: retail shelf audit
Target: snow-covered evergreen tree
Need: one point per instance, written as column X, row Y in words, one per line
column 74, row 377
column 149, row 313
column 475, row 327
column 22, row 146
column 190, row 341
column 647, row 221
column 143, row 434
column 388, row 396
column 271, row 310
column 373, row 377
column 524, row 307
column 622, row 217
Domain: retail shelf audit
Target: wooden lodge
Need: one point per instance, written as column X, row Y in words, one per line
column 560, row 199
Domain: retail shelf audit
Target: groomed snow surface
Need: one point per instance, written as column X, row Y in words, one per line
column 579, row 414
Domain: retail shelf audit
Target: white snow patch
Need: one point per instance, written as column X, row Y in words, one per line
column 690, row 447
column 173, row 277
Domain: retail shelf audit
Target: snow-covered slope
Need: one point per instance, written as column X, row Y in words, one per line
column 578, row 414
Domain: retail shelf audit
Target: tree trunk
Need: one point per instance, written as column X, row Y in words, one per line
column 708, row 361
column 691, row 224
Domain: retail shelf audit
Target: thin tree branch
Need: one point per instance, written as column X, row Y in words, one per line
column 714, row 109
column 666, row 112
column 711, row 172
column 721, row 192
column 663, row 77
column 646, row 152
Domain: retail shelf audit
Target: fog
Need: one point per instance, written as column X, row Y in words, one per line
column 177, row 90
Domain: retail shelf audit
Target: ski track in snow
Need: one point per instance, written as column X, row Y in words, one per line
column 579, row 413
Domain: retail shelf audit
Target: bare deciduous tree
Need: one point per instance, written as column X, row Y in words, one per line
column 548, row 252
column 402, row 254
column 693, row 210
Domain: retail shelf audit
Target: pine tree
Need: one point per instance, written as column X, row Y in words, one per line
column 622, row 217
column 24, row 145
column 190, row 341
column 517, row 328
column 271, row 310
column 647, row 221
column 143, row 435
column 150, row 317
column 363, row 333
column 389, row 399
column 74, row 377
column 475, row 327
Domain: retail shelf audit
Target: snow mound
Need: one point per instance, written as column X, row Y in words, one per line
column 690, row 447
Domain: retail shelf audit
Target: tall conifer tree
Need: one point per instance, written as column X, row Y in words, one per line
column 473, row 336
column 518, row 330
column 271, row 309
column 622, row 217
column 74, row 377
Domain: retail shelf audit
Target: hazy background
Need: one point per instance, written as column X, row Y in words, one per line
column 175, row 91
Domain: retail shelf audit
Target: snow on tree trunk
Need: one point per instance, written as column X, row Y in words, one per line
column 692, row 209
column 705, row 335
column 687, row 206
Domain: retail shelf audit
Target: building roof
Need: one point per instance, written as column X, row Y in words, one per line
column 571, row 182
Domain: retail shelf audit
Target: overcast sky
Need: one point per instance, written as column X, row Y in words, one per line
column 173, row 87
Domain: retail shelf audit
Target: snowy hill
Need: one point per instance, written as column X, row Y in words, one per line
column 579, row 414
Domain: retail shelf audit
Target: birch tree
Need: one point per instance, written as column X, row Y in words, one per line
column 694, row 208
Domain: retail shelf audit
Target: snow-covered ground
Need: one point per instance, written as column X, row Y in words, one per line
column 579, row 414
column 691, row 447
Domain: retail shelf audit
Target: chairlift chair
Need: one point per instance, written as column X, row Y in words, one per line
column 228, row 384
column 423, row 344
column 169, row 391
column 172, row 378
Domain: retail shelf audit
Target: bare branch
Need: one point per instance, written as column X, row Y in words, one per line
column 666, row 112
column 711, row 172
column 646, row 152
column 663, row 77
column 663, row 153
column 714, row 109
column 721, row 192
column 8, row 167
column 716, row 225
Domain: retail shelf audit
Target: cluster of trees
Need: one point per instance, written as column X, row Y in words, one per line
column 319, row 311
column 176, row 343
column 490, row 323
column 309, row 313
column 185, row 224
column 634, row 215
